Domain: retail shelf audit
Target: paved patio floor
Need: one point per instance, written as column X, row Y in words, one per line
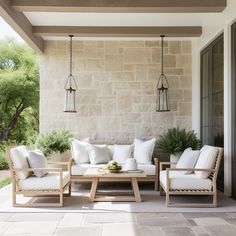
column 112, row 224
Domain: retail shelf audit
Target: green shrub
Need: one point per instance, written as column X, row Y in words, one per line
column 3, row 162
column 54, row 141
column 176, row 140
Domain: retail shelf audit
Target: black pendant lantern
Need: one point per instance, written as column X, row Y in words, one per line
column 70, row 86
column 162, row 102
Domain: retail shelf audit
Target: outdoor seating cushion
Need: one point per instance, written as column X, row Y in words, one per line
column 81, row 169
column 79, row 151
column 122, row 153
column 49, row 181
column 188, row 160
column 206, row 160
column 143, row 150
column 98, row 154
column 180, row 181
column 19, row 157
column 36, row 159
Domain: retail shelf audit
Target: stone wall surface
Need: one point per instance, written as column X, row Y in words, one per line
column 116, row 88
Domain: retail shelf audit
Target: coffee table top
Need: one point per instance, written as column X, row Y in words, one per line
column 96, row 172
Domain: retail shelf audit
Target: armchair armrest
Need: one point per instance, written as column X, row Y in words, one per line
column 189, row 169
column 166, row 163
column 65, row 163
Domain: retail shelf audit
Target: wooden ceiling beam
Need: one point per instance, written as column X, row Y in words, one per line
column 158, row 6
column 21, row 25
column 187, row 31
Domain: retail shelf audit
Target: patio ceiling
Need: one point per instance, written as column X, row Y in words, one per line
column 38, row 20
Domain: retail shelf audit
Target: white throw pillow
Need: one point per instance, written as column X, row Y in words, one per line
column 19, row 158
column 122, row 153
column 206, row 160
column 143, row 150
column 98, row 154
column 79, row 150
column 36, row 159
column 188, row 160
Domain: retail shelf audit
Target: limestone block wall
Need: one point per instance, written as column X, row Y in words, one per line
column 116, row 88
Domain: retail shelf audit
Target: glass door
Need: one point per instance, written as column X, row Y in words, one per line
column 212, row 98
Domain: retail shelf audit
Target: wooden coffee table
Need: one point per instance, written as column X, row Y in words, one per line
column 97, row 174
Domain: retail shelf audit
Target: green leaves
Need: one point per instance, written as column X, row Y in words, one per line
column 19, row 91
column 54, row 141
column 176, row 140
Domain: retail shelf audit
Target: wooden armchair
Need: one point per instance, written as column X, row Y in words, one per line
column 173, row 182
column 56, row 183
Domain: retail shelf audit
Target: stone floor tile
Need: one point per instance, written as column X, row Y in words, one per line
column 231, row 221
column 32, row 227
column 5, row 216
column 129, row 229
column 71, row 220
column 4, row 226
column 231, row 214
column 221, row 230
column 82, row 230
column 149, row 230
column 200, row 231
column 210, row 221
column 109, row 218
column 20, row 217
column 161, row 221
column 178, row 231
column 190, row 215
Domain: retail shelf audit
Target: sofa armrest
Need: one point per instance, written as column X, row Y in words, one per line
column 166, row 164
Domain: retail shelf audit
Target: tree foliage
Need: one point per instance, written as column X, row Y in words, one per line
column 19, row 91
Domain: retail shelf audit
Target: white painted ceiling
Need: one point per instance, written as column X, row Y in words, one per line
column 117, row 19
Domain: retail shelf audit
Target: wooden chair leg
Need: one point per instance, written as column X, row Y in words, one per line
column 167, row 199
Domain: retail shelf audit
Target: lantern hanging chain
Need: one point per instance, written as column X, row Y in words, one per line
column 71, row 55
column 162, row 55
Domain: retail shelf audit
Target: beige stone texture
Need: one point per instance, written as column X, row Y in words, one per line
column 116, row 94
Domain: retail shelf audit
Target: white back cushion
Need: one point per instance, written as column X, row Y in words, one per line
column 206, row 160
column 122, row 153
column 19, row 158
column 98, row 154
column 143, row 150
column 79, row 150
column 188, row 160
column 36, row 159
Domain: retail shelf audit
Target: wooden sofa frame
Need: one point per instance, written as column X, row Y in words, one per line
column 171, row 192
column 149, row 178
column 63, row 191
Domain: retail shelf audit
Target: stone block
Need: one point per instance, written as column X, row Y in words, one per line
column 95, row 65
column 152, row 44
column 131, row 44
column 113, row 63
column 136, row 55
column 185, row 109
column 175, row 47
column 124, row 101
column 186, row 82
column 111, row 47
column 186, row 47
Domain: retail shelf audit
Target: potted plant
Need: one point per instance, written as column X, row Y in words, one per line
column 175, row 141
column 55, row 144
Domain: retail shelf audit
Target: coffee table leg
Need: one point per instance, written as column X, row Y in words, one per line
column 93, row 189
column 136, row 189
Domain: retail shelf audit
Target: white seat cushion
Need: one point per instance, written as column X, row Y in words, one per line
column 206, row 160
column 19, row 157
column 49, row 181
column 181, row 181
column 81, row 169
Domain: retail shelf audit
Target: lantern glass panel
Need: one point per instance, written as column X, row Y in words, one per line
column 69, row 100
